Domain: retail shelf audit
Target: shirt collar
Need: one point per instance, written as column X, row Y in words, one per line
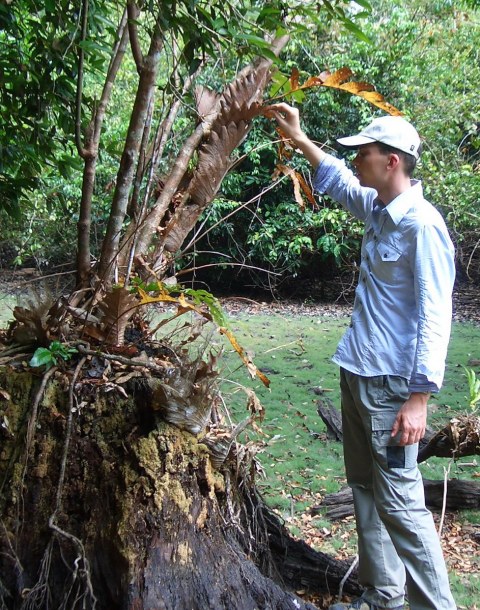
column 399, row 206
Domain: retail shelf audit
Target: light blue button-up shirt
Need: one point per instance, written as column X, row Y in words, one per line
column 403, row 302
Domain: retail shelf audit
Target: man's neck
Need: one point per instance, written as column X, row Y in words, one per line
column 391, row 191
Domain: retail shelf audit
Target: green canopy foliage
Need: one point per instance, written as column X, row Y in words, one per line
column 423, row 57
column 425, row 60
column 38, row 74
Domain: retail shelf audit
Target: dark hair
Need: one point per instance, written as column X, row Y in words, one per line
column 409, row 161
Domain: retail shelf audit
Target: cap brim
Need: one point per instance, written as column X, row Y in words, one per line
column 355, row 141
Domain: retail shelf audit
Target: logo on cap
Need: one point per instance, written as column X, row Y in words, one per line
column 412, row 147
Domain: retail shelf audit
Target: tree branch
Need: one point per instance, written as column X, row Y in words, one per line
column 79, row 95
column 145, row 91
column 133, row 13
column 181, row 164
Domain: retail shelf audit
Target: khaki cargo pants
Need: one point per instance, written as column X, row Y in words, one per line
column 397, row 540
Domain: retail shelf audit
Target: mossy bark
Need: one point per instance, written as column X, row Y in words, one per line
column 138, row 519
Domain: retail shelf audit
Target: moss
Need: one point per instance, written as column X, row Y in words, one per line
column 18, row 385
column 156, row 481
column 148, row 456
column 161, row 472
column 172, row 488
column 202, row 517
column 43, row 462
column 16, row 482
column 216, row 480
column 54, row 396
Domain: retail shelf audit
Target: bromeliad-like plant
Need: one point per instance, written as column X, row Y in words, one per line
column 473, row 388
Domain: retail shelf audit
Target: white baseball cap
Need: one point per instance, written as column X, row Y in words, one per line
column 391, row 130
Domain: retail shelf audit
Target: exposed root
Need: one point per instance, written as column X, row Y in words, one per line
column 79, row 593
column 33, row 418
column 3, row 595
column 121, row 359
column 71, row 399
column 32, row 423
column 39, row 596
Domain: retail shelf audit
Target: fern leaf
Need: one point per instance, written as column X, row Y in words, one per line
column 117, row 307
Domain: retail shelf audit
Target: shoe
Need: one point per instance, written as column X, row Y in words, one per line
column 361, row 604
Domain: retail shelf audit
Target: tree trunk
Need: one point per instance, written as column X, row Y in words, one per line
column 89, row 152
column 143, row 99
column 107, row 506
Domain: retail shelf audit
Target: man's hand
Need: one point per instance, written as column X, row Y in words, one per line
column 411, row 420
column 288, row 120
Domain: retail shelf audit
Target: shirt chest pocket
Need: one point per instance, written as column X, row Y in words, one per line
column 388, row 262
column 387, row 252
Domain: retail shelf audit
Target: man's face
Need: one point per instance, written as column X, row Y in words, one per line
column 371, row 166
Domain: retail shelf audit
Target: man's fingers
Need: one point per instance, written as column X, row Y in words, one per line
column 396, row 427
column 410, row 437
column 281, row 109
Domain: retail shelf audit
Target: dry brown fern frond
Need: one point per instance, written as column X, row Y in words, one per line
column 186, row 397
column 239, row 104
column 36, row 320
column 114, row 313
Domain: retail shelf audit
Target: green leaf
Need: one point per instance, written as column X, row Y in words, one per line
column 298, row 96
column 254, row 40
column 269, row 54
column 329, row 8
column 364, row 4
column 60, row 350
column 42, row 356
column 349, row 25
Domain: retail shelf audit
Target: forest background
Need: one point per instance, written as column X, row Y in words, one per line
column 423, row 57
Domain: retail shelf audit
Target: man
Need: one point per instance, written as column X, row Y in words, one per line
column 391, row 358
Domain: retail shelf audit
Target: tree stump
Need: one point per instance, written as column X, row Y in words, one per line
column 106, row 506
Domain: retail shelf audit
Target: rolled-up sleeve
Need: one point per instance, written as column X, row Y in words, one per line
column 434, row 275
column 336, row 180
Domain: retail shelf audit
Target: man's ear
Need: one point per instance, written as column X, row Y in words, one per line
column 393, row 161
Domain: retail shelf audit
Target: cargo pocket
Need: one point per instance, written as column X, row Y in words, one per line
column 395, row 456
column 386, row 450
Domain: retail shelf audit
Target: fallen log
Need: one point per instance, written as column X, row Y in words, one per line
column 331, row 418
column 459, row 438
column 461, row 495
column 301, row 567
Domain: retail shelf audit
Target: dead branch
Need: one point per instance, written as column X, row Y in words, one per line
column 121, row 359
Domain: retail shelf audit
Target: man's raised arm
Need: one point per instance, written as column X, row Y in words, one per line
column 288, row 119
